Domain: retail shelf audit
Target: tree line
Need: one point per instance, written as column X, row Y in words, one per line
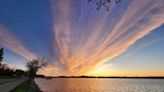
column 33, row 67
column 7, row 72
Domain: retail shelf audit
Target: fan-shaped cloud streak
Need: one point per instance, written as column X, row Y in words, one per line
column 84, row 41
column 7, row 40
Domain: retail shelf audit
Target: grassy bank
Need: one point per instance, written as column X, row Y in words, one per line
column 27, row 86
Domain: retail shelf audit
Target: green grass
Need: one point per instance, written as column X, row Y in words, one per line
column 22, row 87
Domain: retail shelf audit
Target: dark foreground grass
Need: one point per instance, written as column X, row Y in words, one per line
column 23, row 87
column 27, row 86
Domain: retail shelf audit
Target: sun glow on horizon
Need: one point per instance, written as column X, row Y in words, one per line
column 84, row 40
column 83, row 47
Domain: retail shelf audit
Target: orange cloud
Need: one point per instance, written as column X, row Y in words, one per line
column 82, row 48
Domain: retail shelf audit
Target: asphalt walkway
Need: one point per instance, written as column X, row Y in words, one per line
column 8, row 84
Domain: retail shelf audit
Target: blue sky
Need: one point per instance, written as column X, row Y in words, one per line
column 147, row 59
column 29, row 21
column 32, row 22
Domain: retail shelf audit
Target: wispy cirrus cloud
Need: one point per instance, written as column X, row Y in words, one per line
column 84, row 41
column 10, row 42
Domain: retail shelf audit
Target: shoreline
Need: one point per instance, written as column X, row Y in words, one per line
column 34, row 87
column 102, row 77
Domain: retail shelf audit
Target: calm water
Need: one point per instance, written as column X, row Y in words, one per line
column 100, row 85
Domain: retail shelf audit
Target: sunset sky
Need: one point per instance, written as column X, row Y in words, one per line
column 77, row 39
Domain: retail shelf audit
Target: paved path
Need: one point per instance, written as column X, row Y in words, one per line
column 3, row 81
column 9, row 84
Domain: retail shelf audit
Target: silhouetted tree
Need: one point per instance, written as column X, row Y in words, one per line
column 103, row 3
column 1, row 55
column 33, row 67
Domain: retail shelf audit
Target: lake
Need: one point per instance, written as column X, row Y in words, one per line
column 100, row 85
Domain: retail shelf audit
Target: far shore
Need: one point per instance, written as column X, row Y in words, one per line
column 117, row 77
